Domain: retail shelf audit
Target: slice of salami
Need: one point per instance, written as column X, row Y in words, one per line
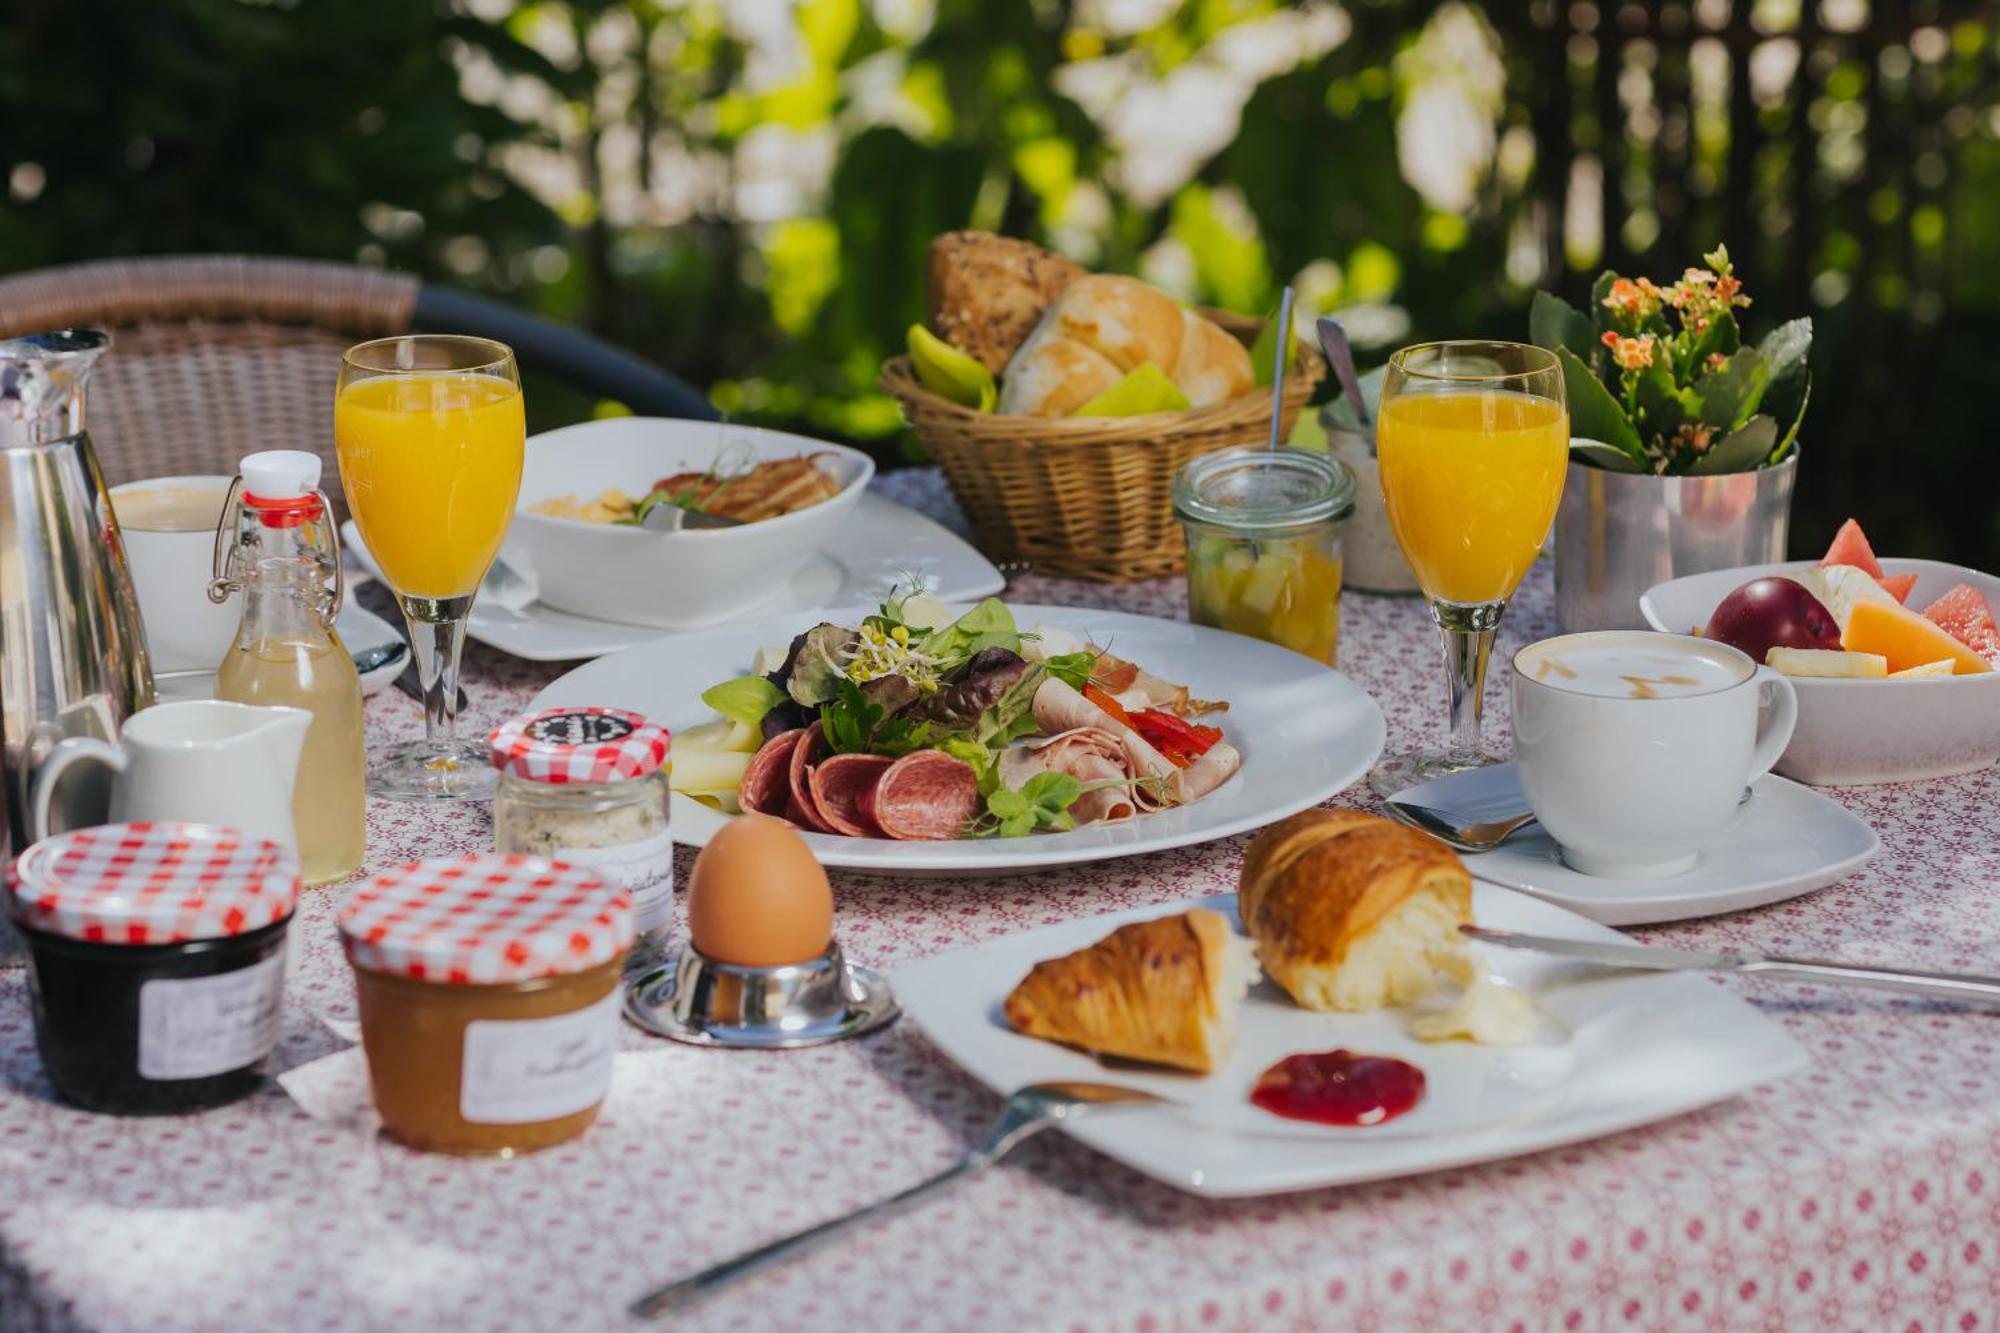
column 766, row 785
column 804, row 809
column 925, row 796
column 840, row 784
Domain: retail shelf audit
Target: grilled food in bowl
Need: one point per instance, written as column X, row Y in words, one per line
column 673, row 580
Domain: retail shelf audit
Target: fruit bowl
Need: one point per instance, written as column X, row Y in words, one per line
column 1855, row 732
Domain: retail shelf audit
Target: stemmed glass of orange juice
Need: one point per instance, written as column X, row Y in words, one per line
column 1472, row 446
column 430, row 432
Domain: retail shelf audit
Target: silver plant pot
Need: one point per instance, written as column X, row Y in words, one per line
column 1618, row 534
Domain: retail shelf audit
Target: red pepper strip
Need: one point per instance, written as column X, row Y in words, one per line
column 1108, row 704
column 1180, row 741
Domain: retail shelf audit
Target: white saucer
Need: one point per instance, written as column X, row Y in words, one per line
column 1787, row 840
column 880, row 542
column 360, row 630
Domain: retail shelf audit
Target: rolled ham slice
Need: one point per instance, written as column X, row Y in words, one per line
column 1208, row 772
column 841, row 785
column 1058, row 708
column 802, row 809
column 766, row 785
column 922, row 797
column 1088, row 754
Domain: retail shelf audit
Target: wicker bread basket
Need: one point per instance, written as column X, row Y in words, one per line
column 1088, row 497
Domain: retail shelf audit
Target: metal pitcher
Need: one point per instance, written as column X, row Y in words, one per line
column 72, row 653
column 1618, row 534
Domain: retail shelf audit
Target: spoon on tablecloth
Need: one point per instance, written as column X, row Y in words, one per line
column 1028, row 1111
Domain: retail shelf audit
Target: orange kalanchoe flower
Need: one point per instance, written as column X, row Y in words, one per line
column 1636, row 299
column 1630, row 353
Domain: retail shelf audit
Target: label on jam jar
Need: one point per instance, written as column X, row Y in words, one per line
column 646, row 867
column 197, row 1027
column 520, row 1071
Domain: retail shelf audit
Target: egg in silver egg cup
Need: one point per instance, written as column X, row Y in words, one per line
column 697, row 1000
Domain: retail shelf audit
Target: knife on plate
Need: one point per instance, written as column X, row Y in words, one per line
column 1944, row 985
column 375, row 596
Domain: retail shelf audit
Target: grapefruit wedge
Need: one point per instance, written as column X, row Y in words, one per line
column 1965, row 614
column 1907, row 639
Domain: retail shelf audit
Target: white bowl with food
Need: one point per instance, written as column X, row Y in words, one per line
column 1855, row 732
column 581, row 486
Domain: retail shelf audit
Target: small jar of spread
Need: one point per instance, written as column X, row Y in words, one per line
column 489, row 995
column 588, row 787
column 1264, row 552
column 157, row 959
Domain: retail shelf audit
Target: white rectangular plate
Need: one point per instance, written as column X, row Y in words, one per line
column 1616, row 1051
column 880, row 542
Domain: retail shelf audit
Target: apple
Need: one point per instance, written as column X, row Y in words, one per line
column 1773, row 613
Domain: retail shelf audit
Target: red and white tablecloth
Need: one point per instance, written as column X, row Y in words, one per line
column 1863, row 1194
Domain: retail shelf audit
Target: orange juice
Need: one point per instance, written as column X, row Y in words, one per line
column 1471, row 479
column 432, row 465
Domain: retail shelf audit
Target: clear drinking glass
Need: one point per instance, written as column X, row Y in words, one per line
column 430, row 432
column 1473, row 445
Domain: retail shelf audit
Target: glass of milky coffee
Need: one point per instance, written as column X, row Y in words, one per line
column 169, row 528
column 1634, row 748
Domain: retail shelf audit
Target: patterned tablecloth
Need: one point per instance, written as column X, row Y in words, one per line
column 1861, row 1194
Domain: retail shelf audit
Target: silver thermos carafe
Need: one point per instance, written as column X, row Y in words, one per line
column 72, row 654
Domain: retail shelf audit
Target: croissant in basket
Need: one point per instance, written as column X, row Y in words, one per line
column 1350, row 911
column 1165, row 991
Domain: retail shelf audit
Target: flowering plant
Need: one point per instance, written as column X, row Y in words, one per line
column 1659, row 380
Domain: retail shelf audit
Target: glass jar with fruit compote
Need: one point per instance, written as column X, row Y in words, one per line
column 1264, row 529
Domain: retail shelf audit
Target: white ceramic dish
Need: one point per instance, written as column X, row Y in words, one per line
column 1786, row 840
column 360, row 630
column 1855, row 732
column 1306, row 732
column 1614, row 1052
column 879, row 543
column 668, row 580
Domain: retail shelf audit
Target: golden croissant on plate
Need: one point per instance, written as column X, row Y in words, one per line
column 1352, row 912
column 1165, row 991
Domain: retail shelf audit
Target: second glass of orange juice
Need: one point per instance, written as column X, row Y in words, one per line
column 1472, row 445
column 430, row 430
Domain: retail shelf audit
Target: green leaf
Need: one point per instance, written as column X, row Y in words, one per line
column 1264, row 352
column 1073, row 669
column 1730, row 395
column 1601, row 455
column 1721, row 335
column 1554, row 322
column 1006, row 804
column 1662, row 407
column 1791, row 434
column 988, row 625
column 1742, row 450
column 1052, row 792
column 745, row 699
column 1593, row 413
column 1788, row 348
column 978, row 756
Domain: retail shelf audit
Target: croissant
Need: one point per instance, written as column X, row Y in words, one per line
column 1165, row 991
column 1350, row 911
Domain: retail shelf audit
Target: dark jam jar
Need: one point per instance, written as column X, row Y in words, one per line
column 157, row 957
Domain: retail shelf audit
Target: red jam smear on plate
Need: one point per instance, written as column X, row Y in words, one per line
column 1339, row 1088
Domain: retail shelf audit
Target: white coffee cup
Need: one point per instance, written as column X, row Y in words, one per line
column 1634, row 748
column 171, row 564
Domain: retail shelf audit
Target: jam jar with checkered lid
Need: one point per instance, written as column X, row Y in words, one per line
column 156, row 954
column 588, row 786
column 489, row 996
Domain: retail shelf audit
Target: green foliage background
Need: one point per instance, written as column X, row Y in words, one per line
column 491, row 144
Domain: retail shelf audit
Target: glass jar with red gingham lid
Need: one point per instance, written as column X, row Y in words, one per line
column 589, row 787
column 489, row 998
column 157, row 956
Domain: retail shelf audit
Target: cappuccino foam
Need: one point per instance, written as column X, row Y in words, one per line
column 1627, row 671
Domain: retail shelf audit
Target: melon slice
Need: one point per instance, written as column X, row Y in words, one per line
column 1965, row 614
column 1826, row 664
column 1924, row 672
column 1898, row 585
column 1906, row 639
column 1850, row 547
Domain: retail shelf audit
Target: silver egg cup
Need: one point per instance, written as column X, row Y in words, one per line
column 697, row 1000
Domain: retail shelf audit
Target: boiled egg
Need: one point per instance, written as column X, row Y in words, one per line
column 758, row 898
